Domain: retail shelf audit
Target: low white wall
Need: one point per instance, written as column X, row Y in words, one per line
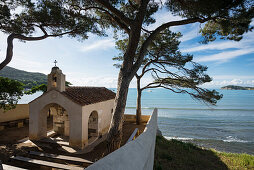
column 135, row 155
column 20, row 112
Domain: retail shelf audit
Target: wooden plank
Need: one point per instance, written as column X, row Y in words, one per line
column 133, row 135
column 46, row 163
column 9, row 167
column 63, row 157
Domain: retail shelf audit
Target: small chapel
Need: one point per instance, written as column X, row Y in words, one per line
column 82, row 114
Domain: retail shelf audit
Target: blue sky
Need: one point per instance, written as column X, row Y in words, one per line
column 89, row 63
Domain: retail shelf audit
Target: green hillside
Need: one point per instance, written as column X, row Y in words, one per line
column 232, row 87
column 30, row 79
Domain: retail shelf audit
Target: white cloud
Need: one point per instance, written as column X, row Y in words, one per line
column 224, row 80
column 213, row 46
column 164, row 17
column 189, row 31
column 97, row 81
column 191, row 34
column 109, row 81
column 98, row 44
column 22, row 63
column 224, row 56
column 243, row 47
column 221, row 45
column 220, row 83
column 229, row 77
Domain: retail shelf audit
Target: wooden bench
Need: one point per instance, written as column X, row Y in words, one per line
column 46, row 163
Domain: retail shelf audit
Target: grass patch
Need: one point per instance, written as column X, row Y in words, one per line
column 236, row 161
column 174, row 154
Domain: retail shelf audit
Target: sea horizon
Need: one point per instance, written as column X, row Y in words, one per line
column 228, row 126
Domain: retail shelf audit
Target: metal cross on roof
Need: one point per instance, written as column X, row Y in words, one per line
column 55, row 62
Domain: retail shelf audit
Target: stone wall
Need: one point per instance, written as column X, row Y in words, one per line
column 20, row 112
column 135, row 155
column 132, row 118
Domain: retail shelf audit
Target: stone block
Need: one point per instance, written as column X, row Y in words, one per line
column 20, row 124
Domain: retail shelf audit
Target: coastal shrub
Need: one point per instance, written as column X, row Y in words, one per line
column 174, row 154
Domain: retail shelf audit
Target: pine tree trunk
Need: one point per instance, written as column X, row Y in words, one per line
column 138, row 108
column 127, row 72
column 114, row 137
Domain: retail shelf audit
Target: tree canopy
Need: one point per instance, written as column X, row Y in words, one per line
column 10, row 92
column 131, row 19
column 170, row 69
column 23, row 20
column 227, row 19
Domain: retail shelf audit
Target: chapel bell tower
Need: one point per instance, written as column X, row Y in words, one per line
column 56, row 79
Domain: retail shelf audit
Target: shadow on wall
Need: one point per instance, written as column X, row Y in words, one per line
column 173, row 154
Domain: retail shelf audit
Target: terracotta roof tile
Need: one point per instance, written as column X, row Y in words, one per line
column 88, row 95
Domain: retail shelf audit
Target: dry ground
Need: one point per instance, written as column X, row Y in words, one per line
column 10, row 146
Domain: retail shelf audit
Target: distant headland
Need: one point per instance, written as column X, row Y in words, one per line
column 232, row 87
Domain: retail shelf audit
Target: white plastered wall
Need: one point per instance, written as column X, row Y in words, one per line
column 104, row 110
column 134, row 155
column 38, row 117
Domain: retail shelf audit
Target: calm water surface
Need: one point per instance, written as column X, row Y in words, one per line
column 229, row 126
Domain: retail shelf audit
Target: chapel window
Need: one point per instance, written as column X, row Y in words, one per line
column 54, row 78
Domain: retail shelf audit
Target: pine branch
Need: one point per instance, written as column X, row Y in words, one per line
column 116, row 19
column 11, row 37
column 154, row 33
column 120, row 15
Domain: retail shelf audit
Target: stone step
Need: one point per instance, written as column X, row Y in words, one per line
column 52, row 140
column 9, row 167
column 63, row 157
column 46, row 163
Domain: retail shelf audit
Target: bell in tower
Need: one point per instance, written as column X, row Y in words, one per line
column 56, row 79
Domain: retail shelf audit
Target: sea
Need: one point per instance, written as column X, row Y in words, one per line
column 228, row 126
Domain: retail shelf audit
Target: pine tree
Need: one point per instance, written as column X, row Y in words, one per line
column 227, row 19
column 170, row 69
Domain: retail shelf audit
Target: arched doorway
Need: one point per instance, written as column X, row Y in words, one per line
column 56, row 119
column 61, row 122
column 73, row 122
column 93, row 127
